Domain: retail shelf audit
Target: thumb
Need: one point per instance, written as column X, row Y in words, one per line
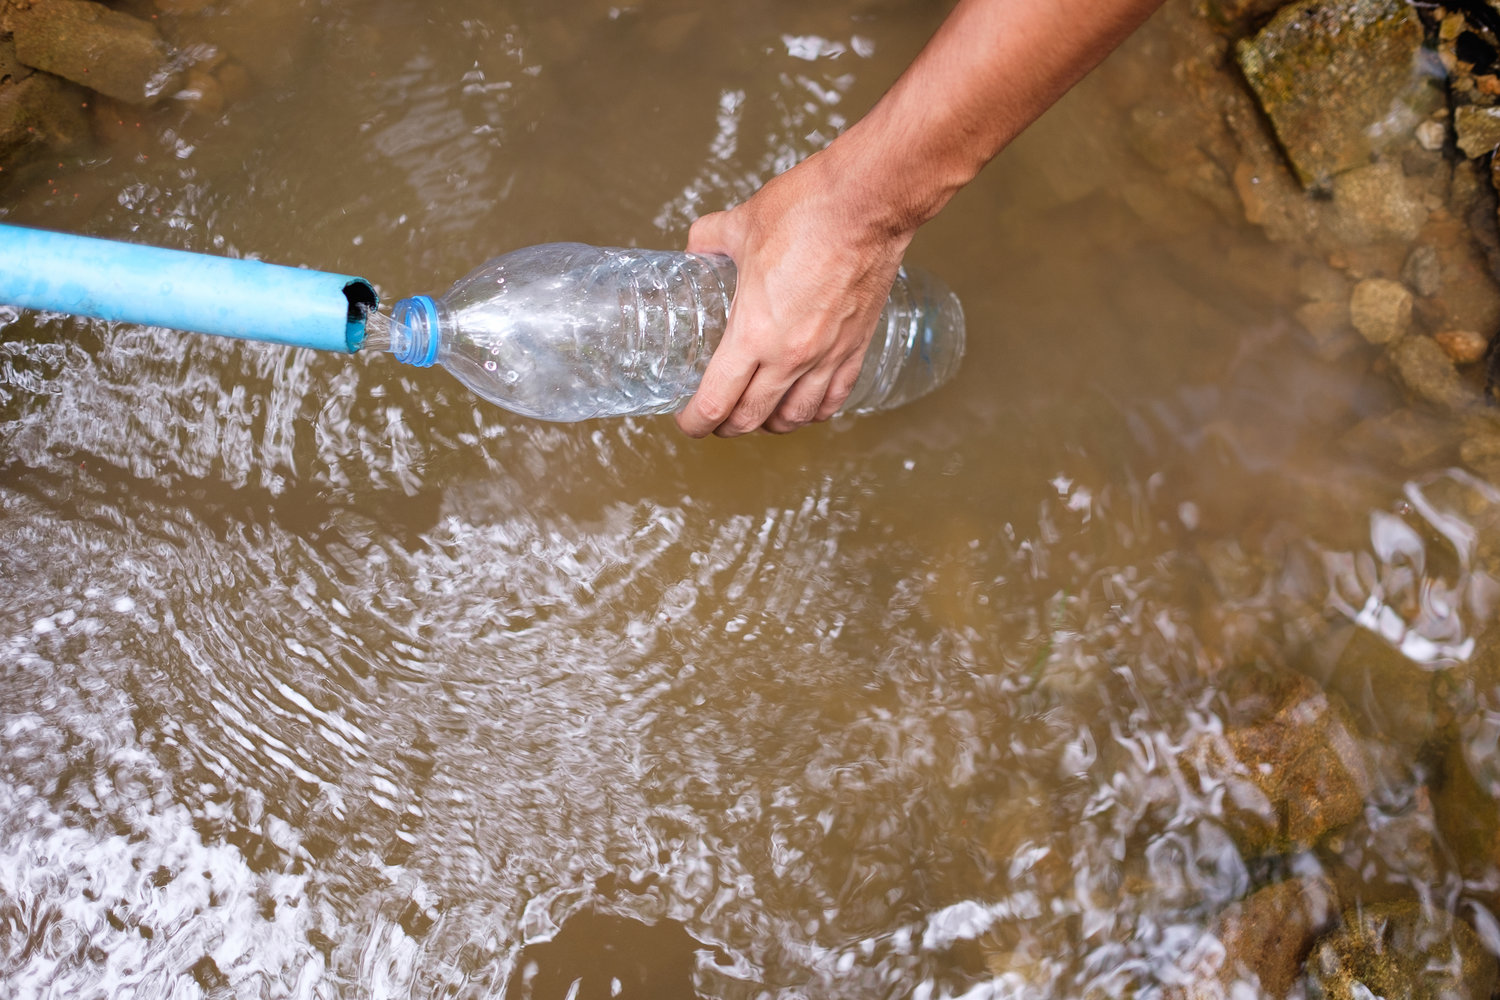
column 710, row 234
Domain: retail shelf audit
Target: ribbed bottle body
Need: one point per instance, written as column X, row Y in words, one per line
column 567, row 332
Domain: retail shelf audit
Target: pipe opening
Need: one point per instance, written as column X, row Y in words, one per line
column 362, row 301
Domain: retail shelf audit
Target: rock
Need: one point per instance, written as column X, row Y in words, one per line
column 1412, row 440
column 1380, row 309
column 1338, row 80
column 1465, row 347
column 201, row 92
column 1467, row 809
column 1451, row 274
column 10, row 67
column 1400, row 950
column 1380, row 682
column 1319, row 282
column 118, row 55
column 1327, row 323
column 1431, row 135
column 181, row 6
column 1429, row 373
column 1239, row 14
column 1377, row 203
column 1289, row 760
column 1262, row 942
column 1478, row 129
column 1423, row 272
column 40, row 112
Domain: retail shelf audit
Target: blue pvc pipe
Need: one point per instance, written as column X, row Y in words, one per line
column 153, row 286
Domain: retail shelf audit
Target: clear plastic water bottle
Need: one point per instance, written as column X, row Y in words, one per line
column 566, row 331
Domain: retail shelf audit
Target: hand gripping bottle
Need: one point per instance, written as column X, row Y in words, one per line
column 565, row 331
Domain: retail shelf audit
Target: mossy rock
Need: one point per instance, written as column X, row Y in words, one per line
column 1401, row 951
column 1339, row 80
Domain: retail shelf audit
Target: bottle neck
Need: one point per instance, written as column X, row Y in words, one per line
column 414, row 331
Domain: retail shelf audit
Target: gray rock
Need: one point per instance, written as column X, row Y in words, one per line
column 1423, row 272
column 1339, row 81
column 1380, row 309
column 1401, row 950
column 115, row 54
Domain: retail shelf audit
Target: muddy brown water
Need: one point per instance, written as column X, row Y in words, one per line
column 323, row 679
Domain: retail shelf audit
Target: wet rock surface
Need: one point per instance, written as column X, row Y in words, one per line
column 1401, row 950
column 1259, row 943
column 1321, row 68
column 1289, row 760
column 90, row 44
column 37, row 111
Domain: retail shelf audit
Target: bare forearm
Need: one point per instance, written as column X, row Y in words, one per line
column 992, row 68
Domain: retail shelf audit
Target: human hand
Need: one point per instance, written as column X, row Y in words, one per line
column 812, row 280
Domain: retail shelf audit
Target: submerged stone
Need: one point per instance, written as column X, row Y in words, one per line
column 39, row 111
column 1466, row 808
column 1478, row 129
column 1376, row 203
column 1401, row 950
column 1340, row 80
column 1237, row 14
column 1465, row 347
column 1428, row 372
column 1289, row 760
column 118, row 55
column 1262, row 942
column 1458, row 288
column 1380, row 309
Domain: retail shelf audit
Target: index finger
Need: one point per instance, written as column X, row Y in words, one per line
column 723, row 384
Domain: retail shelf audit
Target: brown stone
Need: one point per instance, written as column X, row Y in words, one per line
column 1429, row 373
column 182, row 6
column 1465, row 347
column 1289, row 760
column 1263, row 941
column 1240, row 14
column 1380, row 309
column 1478, row 129
column 1450, row 271
column 1337, row 80
column 1376, row 203
column 118, row 55
column 40, row 112
column 1413, row 440
column 1328, row 324
column 1467, row 810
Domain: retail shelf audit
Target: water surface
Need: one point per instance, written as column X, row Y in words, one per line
column 322, row 678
